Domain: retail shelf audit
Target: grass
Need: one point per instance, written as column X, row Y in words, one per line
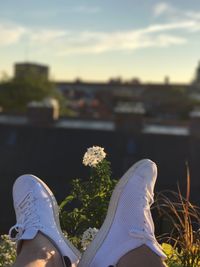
column 184, row 237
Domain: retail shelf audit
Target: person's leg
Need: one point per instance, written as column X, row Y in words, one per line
column 38, row 252
column 40, row 241
column 126, row 238
column 142, row 256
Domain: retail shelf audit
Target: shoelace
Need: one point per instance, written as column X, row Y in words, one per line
column 27, row 217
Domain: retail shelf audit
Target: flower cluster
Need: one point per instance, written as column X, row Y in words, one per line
column 93, row 156
column 7, row 251
column 88, row 236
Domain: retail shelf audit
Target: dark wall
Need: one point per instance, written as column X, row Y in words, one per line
column 55, row 155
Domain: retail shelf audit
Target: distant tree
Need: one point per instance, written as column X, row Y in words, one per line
column 16, row 93
column 4, row 76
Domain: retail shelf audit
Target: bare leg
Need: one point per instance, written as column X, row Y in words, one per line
column 38, row 252
column 143, row 257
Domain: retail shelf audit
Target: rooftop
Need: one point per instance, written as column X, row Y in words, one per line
column 102, row 125
column 166, row 129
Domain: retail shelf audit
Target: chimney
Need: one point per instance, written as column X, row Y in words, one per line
column 129, row 117
column 45, row 112
column 166, row 80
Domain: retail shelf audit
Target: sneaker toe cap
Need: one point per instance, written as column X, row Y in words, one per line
column 23, row 185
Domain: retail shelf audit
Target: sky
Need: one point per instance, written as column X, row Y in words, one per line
column 98, row 39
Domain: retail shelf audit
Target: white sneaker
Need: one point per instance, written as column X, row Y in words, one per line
column 37, row 210
column 128, row 223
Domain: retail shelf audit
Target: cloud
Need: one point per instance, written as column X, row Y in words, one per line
column 175, row 14
column 187, row 25
column 10, row 33
column 161, row 8
column 66, row 42
column 193, row 15
column 174, row 31
column 99, row 42
column 45, row 36
column 165, row 40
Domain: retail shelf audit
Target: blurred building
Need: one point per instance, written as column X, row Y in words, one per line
column 22, row 70
column 197, row 75
column 100, row 99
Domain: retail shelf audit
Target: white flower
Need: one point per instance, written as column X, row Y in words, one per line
column 7, row 251
column 93, row 156
column 88, row 236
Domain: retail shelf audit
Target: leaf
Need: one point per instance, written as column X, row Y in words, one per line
column 66, row 201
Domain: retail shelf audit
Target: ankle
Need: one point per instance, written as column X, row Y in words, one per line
column 40, row 246
column 142, row 256
column 39, row 250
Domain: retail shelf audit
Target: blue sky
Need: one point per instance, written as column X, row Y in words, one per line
column 96, row 40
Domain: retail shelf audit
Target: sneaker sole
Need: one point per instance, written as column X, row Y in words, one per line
column 104, row 230
column 56, row 215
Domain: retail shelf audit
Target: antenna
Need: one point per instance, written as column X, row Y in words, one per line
column 26, row 52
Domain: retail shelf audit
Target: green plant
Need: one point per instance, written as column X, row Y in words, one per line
column 91, row 197
column 16, row 93
column 7, row 251
column 185, row 220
